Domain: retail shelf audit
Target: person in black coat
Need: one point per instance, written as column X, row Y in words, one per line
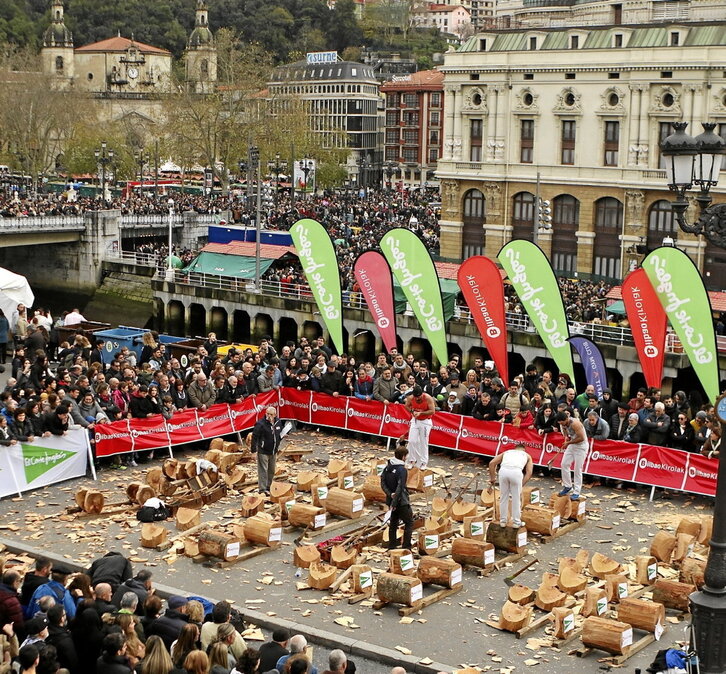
column 272, row 651
column 681, row 434
column 56, row 422
column 113, row 659
column 140, row 585
column 485, row 409
column 169, row 625
column 32, row 581
column 87, row 634
column 60, row 636
column 113, row 568
column 619, row 422
column 545, row 421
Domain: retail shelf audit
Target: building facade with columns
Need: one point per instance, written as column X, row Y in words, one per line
column 585, row 108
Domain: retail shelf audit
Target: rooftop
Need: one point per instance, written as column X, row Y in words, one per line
column 302, row 71
column 419, row 80
column 121, row 44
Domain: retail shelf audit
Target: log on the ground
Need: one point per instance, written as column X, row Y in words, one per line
column 646, row 569
column 616, row 587
column 401, row 563
column 692, row 571
column 571, row 582
column 213, row 456
column 263, row 529
column 186, row 518
column 596, row 602
column 362, row 578
column 230, row 447
column 689, row 525
column 306, row 515
column 132, row 488
column 562, row 504
column 531, row 496
column 541, row 519
column 80, row 496
column 342, row 558
column 216, row 443
column 611, row 636
column 439, row 506
column 372, row 490
column 282, row 492
column 429, row 542
column 93, row 501
column 521, row 594
column 435, row 571
column 153, row 534
column 684, row 546
column 548, row 597
column 218, row 544
column 321, row 575
column 346, row 480
column 462, row 509
column 642, row 614
column 578, row 510
column 304, row 555
column 395, row 589
column 474, row 527
column 571, row 563
column 377, row 466
column 488, row 497
column 234, row 477
column 320, row 495
column 514, row 617
column 437, row 524
column 191, row 547
column 583, row 557
column 602, row 566
column 170, row 467
column 507, row 538
column 344, row 503
column 307, row 480
column 704, row 536
column 144, row 493
column 155, row 477
column 673, row 593
column 251, row 504
column 473, row 552
column 337, row 466
column 662, row 546
column 419, row 480
column 564, row 620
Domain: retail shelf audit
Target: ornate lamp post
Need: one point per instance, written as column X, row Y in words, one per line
column 697, row 161
column 277, row 167
column 169, row 264
column 141, row 161
column 364, row 165
column 104, row 157
column 306, row 165
column 389, row 169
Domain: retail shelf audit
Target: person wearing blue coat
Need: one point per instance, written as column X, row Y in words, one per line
column 56, row 588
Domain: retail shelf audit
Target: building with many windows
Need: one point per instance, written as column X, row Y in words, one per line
column 414, row 126
column 585, row 109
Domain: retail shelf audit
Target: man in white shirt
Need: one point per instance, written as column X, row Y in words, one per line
column 74, row 318
column 515, row 470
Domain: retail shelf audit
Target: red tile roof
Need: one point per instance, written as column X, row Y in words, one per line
column 247, row 248
column 421, row 79
column 718, row 299
column 121, row 44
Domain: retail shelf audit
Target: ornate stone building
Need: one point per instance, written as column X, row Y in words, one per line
column 585, row 108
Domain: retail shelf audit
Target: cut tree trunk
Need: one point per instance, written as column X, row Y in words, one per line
column 571, row 563
column 616, row 587
column 462, row 509
column 548, row 597
column 186, row 518
column 401, row 563
column 93, row 501
column 342, row 558
column 434, row 571
column 251, row 504
column 191, row 547
column 541, row 520
column 704, row 536
column 531, row 496
column 346, row 480
column 646, row 569
column 662, row 546
column 419, row 480
column 282, row 492
column 320, row 495
column 155, row 477
column 144, row 493
column 689, row 525
column 236, row 476
column 230, row 447
column 263, row 529
column 673, row 593
column 562, row 504
column 506, row 538
column 337, row 466
column 583, row 557
column 472, row 552
column 213, row 456
column 304, row 555
column 171, row 469
column 474, row 527
column 596, row 602
column 362, row 576
column 132, row 489
column 372, row 490
column 80, row 497
column 321, row 575
column 602, row 566
column 692, row 571
column 304, row 515
column 642, row 614
column 437, row 524
column 429, row 542
column 521, row 594
column 684, row 546
column 514, row 617
column 564, row 621
column 578, row 510
column 608, row 635
column 309, row 479
column 216, row 443
column 487, row 497
column 439, row 506
column 344, row 503
column 571, row 582
column 218, row 544
column 395, row 589
column 153, row 534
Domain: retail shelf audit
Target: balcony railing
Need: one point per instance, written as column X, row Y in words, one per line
column 43, row 222
column 151, row 220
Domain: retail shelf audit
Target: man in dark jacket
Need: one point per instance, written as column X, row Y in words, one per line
column 169, row 625
column 272, row 651
column 393, row 483
column 56, row 422
column 60, row 636
column 619, row 421
column 113, row 660
column 266, row 438
column 113, row 568
column 331, row 381
column 33, row 581
column 10, row 609
column 140, row 585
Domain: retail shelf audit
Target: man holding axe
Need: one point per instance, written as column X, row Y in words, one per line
column 515, row 470
column 575, row 451
column 393, row 483
column 422, row 407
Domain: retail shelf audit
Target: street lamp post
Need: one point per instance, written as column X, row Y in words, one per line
column 169, row 264
column 364, row 165
column 306, row 165
column 141, row 160
column 277, row 167
column 697, row 161
column 389, row 169
column 104, row 156
column 254, row 165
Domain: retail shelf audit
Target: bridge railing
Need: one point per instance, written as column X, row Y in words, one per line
column 158, row 220
column 45, row 222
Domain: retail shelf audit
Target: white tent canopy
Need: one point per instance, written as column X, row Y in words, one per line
column 14, row 290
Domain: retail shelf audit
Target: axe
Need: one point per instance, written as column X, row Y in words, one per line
column 509, row 580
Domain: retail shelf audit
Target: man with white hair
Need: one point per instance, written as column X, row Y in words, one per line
column 266, row 439
column 337, row 662
column 297, row 644
column 657, row 424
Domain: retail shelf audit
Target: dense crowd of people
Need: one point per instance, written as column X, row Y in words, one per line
column 110, row 620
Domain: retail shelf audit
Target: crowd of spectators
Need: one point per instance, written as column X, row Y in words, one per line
column 108, row 620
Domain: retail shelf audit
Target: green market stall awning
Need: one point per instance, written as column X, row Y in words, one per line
column 449, row 292
column 239, row 266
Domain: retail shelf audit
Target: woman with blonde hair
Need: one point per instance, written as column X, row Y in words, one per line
column 186, row 643
column 157, row 660
column 471, row 379
column 134, row 648
column 196, row 662
column 219, row 659
column 195, row 612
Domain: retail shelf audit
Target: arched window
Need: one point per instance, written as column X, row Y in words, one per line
column 473, row 235
column 608, row 227
column 661, row 223
column 522, row 215
column 59, row 64
column 565, row 223
column 204, row 69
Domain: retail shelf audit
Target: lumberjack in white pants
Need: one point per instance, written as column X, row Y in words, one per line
column 421, row 406
column 575, row 452
column 515, row 470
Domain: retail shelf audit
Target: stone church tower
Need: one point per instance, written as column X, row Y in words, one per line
column 57, row 56
column 201, row 54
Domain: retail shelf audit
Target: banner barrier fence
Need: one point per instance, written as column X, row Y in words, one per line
column 648, row 465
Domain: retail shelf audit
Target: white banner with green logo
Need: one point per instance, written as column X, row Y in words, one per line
column 25, row 466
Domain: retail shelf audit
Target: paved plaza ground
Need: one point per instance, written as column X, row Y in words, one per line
column 621, row 524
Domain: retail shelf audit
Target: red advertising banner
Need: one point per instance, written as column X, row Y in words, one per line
column 481, row 284
column 643, row 464
column 648, row 323
column 376, row 285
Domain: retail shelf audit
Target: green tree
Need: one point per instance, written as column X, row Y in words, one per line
column 344, row 30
